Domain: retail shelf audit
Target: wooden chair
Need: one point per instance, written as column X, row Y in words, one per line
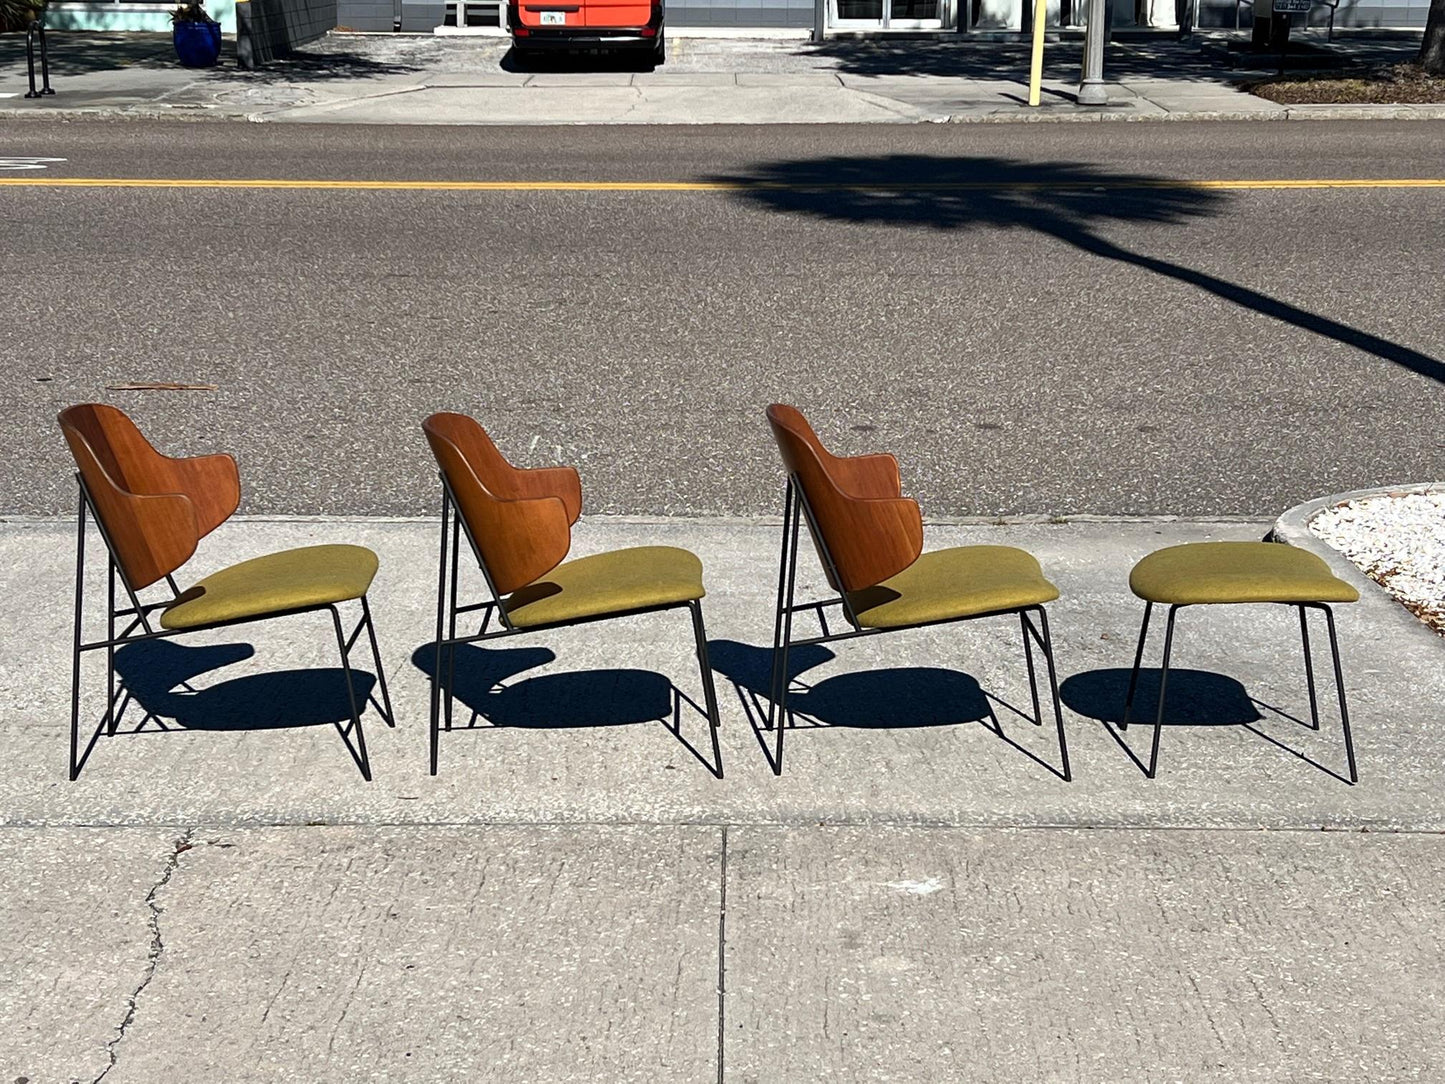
column 869, row 538
column 518, row 525
column 151, row 511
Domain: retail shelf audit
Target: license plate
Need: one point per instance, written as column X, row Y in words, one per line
column 554, row 18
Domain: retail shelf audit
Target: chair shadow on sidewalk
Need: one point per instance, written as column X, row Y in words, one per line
column 904, row 697
column 155, row 676
column 581, row 699
column 1196, row 698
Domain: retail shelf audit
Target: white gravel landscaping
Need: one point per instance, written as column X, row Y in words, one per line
column 1398, row 540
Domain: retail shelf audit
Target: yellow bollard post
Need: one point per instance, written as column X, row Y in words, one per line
column 1036, row 67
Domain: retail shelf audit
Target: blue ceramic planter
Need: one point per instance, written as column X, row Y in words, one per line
column 198, row 45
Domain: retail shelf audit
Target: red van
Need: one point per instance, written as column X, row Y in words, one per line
column 587, row 24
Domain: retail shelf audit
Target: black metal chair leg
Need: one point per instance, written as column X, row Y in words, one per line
column 780, row 654
column 75, row 657
column 112, row 717
column 1138, row 661
column 434, row 721
column 709, row 690
column 1340, row 689
column 376, row 658
column 1304, row 630
column 782, row 601
column 449, row 701
column 778, row 704
column 1163, row 682
column 359, row 754
column 1048, row 646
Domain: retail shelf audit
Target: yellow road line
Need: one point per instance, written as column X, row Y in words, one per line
column 1110, row 184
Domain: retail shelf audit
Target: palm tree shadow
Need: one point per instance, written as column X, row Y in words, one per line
column 588, row 699
column 905, row 697
column 1066, row 200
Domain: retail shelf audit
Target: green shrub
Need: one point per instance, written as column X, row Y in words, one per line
column 193, row 11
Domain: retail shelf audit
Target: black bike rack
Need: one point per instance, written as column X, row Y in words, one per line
column 37, row 28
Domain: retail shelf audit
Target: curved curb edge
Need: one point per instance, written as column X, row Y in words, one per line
column 1292, row 528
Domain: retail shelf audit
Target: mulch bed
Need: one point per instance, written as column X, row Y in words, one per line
column 1392, row 84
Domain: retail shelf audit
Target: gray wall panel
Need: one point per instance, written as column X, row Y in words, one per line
column 266, row 29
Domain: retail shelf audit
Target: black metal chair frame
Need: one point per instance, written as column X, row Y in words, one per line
column 795, row 510
column 139, row 614
column 1153, row 766
column 447, row 640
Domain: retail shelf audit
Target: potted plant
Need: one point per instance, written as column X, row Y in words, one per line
column 197, row 36
column 19, row 14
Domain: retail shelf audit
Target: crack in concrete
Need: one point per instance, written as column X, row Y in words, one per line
column 183, row 843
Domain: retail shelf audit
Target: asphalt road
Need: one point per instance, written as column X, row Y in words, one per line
column 1045, row 340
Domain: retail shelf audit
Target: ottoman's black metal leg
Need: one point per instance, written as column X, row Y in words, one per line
column 1029, row 660
column 1134, row 674
column 1047, row 643
column 1163, row 682
column 1304, row 630
column 1340, row 688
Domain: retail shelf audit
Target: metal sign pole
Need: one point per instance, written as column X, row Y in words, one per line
column 1036, row 65
column 1091, row 86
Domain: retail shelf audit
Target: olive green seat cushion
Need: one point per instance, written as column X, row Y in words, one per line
column 608, row 583
column 960, row 582
column 1201, row 573
column 291, row 580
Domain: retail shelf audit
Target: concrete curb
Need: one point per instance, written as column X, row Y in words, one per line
column 1295, row 113
column 1293, row 529
column 124, row 113
column 202, row 112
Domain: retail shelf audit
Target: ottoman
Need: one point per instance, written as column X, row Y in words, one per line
column 1228, row 573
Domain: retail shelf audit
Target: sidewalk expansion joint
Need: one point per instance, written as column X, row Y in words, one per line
column 182, row 844
column 722, row 944
column 802, row 824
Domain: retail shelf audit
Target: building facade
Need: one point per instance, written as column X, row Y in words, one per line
column 857, row 16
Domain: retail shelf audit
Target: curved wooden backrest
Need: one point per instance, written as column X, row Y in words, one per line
column 519, row 520
column 154, row 508
column 870, row 529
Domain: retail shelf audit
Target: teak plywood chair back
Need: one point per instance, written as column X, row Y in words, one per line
column 866, row 530
column 519, row 521
column 153, row 508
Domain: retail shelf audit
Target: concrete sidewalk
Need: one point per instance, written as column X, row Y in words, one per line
column 421, row 79
column 576, row 897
